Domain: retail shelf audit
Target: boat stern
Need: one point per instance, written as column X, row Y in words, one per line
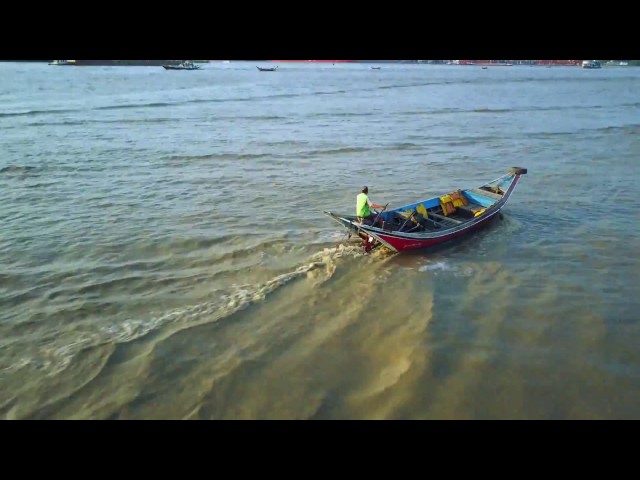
column 371, row 239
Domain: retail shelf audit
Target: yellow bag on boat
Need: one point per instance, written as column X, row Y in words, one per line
column 422, row 210
column 447, row 205
column 465, row 202
column 449, row 209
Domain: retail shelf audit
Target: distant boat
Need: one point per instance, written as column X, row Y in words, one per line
column 591, row 64
column 183, row 66
column 376, row 68
column 62, row 62
column 267, row 69
column 613, row 63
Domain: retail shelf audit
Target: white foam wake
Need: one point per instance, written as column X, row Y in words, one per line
column 58, row 349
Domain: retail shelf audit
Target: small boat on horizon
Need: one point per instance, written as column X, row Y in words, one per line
column 616, row 63
column 435, row 220
column 185, row 65
column 267, row 69
column 593, row 64
column 62, row 62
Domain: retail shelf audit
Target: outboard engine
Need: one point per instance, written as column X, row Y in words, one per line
column 369, row 244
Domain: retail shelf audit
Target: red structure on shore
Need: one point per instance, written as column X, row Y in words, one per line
column 534, row 62
column 458, row 62
column 559, row 62
column 320, row 61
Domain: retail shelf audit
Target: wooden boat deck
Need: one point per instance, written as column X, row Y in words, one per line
column 435, row 219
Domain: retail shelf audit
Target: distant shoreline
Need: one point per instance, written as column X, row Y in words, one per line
column 109, row 63
column 159, row 63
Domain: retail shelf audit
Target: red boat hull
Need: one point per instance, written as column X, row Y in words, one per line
column 403, row 244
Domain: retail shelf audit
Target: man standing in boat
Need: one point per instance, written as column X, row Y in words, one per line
column 364, row 206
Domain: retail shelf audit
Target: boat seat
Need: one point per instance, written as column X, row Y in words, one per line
column 470, row 210
column 411, row 220
column 487, row 193
column 447, row 219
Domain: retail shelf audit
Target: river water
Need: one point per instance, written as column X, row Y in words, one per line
column 163, row 252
